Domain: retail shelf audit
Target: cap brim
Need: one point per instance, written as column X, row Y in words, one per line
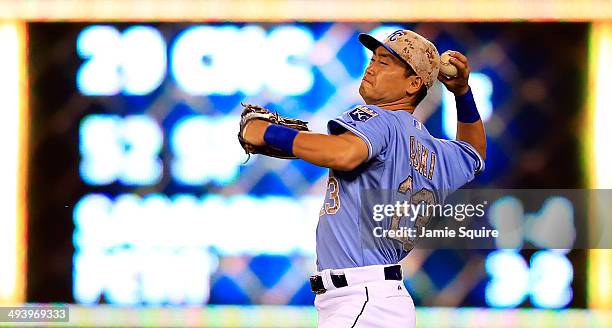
column 372, row 43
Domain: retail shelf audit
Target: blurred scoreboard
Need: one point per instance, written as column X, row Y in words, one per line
column 139, row 192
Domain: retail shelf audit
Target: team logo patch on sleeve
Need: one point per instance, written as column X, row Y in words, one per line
column 362, row 114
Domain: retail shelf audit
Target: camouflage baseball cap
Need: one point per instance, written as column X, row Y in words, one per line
column 411, row 48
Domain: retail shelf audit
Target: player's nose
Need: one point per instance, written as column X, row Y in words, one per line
column 369, row 70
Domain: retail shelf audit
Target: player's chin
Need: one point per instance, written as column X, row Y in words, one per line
column 365, row 91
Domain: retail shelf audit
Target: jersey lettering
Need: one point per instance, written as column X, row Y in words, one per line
column 419, row 156
column 333, row 187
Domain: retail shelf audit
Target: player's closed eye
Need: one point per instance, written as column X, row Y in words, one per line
column 380, row 61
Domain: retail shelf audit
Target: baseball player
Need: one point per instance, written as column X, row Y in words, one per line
column 379, row 146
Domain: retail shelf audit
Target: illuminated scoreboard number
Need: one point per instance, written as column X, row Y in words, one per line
column 546, row 279
column 133, row 61
column 120, row 149
column 203, row 60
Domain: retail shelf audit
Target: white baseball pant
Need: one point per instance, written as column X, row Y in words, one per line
column 367, row 301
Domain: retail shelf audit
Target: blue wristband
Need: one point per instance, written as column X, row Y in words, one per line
column 280, row 137
column 466, row 108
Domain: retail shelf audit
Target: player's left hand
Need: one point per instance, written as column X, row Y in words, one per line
column 254, row 121
column 254, row 131
column 458, row 84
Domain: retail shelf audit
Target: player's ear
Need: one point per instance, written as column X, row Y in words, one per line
column 414, row 84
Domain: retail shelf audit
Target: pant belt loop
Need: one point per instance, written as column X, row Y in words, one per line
column 327, row 281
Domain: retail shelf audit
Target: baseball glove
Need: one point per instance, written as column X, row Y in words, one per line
column 252, row 112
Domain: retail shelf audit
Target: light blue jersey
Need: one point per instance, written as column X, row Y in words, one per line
column 403, row 156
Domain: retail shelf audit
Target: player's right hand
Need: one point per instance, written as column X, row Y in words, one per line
column 458, row 84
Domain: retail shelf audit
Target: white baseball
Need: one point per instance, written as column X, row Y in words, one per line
column 446, row 67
